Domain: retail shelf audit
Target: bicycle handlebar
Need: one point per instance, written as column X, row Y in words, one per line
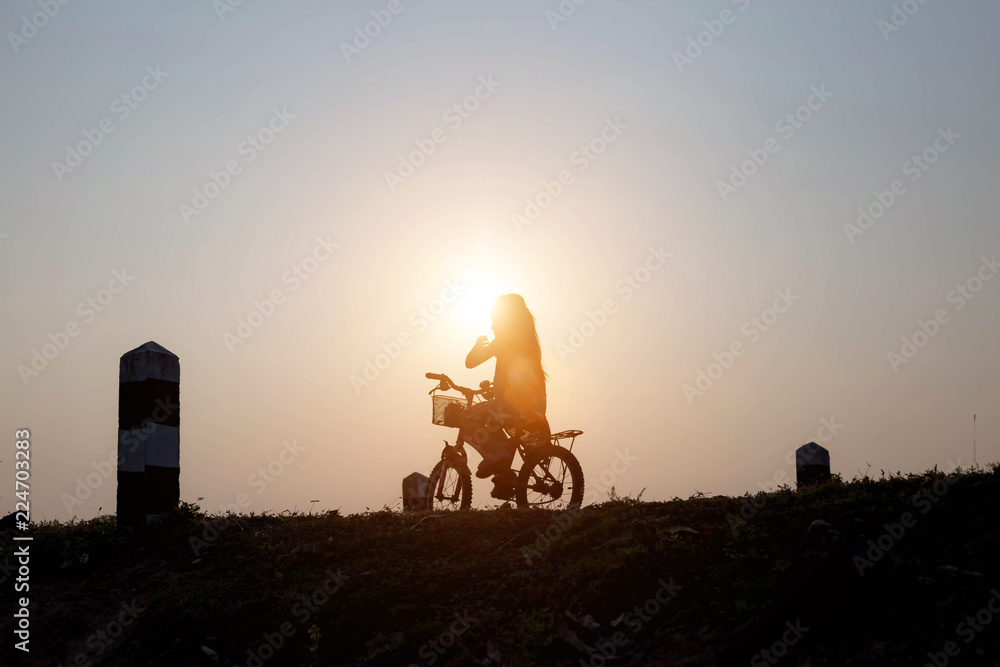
column 445, row 383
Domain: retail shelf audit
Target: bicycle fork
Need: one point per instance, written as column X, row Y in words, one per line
column 455, row 454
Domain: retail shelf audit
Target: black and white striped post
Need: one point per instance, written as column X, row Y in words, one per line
column 812, row 465
column 148, row 434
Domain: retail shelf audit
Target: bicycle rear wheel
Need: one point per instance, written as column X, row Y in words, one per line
column 551, row 478
column 449, row 487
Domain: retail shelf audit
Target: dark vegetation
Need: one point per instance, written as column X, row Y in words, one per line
column 733, row 575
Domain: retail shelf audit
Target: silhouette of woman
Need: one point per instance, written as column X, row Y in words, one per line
column 518, row 405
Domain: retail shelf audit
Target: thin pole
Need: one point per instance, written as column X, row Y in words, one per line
column 974, row 440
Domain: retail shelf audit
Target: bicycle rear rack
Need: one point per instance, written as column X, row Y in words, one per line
column 572, row 433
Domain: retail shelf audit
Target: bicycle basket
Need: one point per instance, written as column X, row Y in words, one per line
column 447, row 410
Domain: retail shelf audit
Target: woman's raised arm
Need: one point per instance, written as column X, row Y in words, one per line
column 479, row 353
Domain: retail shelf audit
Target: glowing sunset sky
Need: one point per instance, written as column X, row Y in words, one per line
column 674, row 188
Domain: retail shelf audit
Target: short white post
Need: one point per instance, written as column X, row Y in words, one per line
column 812, row 465
column 414, row 492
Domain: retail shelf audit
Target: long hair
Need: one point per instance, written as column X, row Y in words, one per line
column 513, row 321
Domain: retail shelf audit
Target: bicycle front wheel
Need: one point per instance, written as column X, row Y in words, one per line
column 449, row 488
column 551, row 478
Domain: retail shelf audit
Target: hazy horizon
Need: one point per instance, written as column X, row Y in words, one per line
column 381, row 194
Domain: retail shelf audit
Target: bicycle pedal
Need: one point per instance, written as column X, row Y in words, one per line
column 503, row 492
column 502, row 487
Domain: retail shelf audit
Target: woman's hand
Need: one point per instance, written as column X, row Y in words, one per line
column 479, row 352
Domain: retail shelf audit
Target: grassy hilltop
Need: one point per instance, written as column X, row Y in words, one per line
column 896, row 571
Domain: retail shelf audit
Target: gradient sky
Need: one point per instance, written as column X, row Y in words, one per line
column 682, row 130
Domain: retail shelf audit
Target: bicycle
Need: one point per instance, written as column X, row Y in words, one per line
column 541, row 481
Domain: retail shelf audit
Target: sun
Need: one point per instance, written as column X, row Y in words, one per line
column 474, row 305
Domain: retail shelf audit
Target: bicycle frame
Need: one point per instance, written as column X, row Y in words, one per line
column 458, row 456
